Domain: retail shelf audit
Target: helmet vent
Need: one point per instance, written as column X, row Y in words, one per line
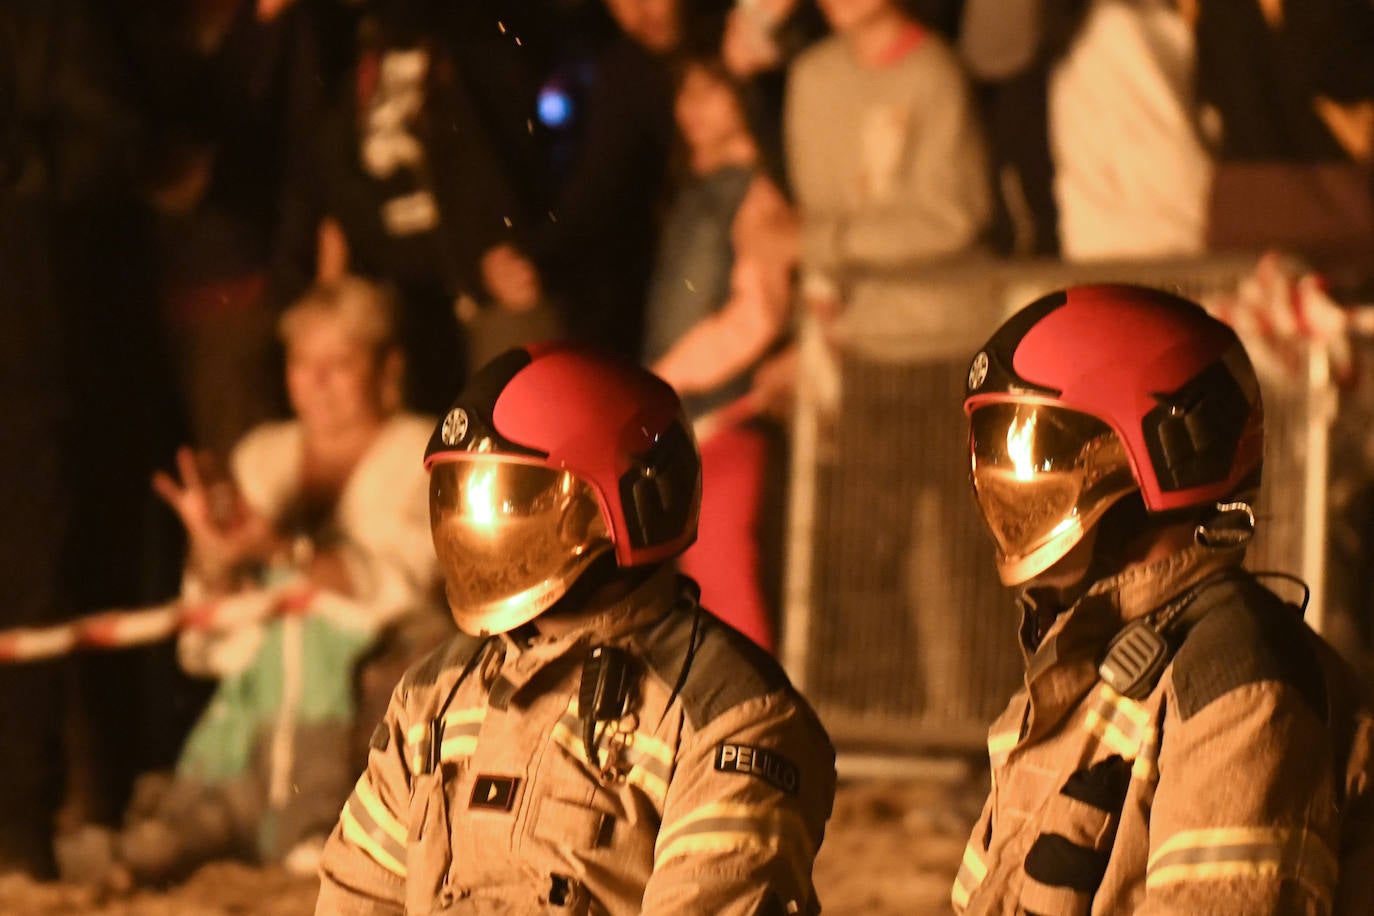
column 1192, row 434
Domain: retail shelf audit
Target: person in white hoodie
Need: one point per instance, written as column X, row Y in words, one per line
column 319, row 535
column 1132, row 173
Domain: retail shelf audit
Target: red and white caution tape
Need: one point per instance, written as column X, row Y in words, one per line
column 121, row 628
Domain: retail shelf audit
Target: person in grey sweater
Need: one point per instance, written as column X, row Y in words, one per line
column 883, row 146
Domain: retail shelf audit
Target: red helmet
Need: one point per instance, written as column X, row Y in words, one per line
column 1094, row 392
column 551, row 457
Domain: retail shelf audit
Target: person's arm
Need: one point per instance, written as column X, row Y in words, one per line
column 224, row 530
column 1245, row 805
column 732, row 339
column 745, row 814
column 363, row 867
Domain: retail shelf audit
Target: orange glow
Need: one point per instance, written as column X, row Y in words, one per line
column 478, row 494
column 1020, row 436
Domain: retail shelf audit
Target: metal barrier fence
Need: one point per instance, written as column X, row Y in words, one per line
column 894, row 623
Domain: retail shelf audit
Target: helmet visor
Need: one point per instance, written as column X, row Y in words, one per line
column 510, row 537
column 1043, row 475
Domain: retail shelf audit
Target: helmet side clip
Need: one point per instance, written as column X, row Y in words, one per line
column 654, row 491
column 1192, row 433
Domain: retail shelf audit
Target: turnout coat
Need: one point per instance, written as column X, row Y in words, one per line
column 1239, row 784
column 708, row 795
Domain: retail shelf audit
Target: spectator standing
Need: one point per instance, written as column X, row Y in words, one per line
column 401, row 180
column 1008, row 46
column 762, row 38
column 224, row 90
column 718, row 303
column 596, row 248
column 888, row 166
column 1131, row 170
column 63, row 140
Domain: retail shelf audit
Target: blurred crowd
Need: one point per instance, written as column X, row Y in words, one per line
column 282, row 232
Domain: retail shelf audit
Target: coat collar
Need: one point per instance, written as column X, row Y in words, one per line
column 1062, row 667
column 598, row 625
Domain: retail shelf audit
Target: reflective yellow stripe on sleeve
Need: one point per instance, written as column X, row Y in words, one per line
column 972, row 871
column 729, row 828
column 369, row 825
column 1245, row 852
column 461, row 729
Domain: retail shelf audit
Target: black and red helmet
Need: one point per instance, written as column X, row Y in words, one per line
column 1093, row 392
column 551, row 457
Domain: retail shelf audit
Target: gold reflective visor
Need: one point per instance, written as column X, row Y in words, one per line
column 1043, row 476
column 510, row 537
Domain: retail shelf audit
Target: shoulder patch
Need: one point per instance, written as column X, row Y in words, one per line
column 717, row 671
column 1251, row 636
column 761, row 763
column 454, row 652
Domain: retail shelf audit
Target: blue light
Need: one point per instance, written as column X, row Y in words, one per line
column 555, row 108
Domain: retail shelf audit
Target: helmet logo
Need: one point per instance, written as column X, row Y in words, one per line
column 978, row 372
column 455, row 427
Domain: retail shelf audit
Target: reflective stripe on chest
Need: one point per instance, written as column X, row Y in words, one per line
column 1036, row 797
column 1116, row 723
column 640, row 758
column 621, row 749
column 1121, row 724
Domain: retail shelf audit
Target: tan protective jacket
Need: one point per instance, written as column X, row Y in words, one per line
column 1240, row 784
column 709, row 796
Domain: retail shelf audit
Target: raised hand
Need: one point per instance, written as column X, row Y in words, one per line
column 225, row 533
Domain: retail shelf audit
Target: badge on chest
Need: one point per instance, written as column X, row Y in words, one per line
column 494, row 793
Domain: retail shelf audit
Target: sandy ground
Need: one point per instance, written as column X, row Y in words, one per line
column 892, row 848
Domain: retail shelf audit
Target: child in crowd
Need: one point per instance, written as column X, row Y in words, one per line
column 718, row 303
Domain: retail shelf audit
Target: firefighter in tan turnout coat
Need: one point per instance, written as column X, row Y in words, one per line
column 1183, row 743
column 603, row 745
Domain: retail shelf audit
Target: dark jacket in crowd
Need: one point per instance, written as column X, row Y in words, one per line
column 596, row 248
column 431, row 262
column 61, row 137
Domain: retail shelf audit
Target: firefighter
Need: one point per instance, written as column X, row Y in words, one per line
column 1183, row 742
column 608, row 746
